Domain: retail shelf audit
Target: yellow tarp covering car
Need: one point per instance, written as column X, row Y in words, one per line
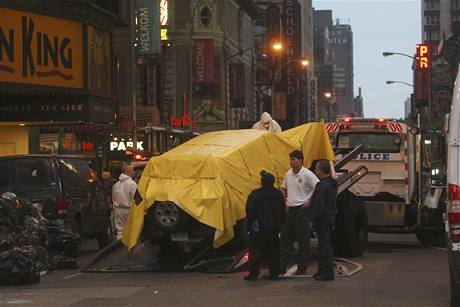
column 210, row 176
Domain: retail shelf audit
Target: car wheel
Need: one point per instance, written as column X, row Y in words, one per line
column 454, row 289
column 105, row 238
column 429, row 237
column 351, row 231
column 168, row 217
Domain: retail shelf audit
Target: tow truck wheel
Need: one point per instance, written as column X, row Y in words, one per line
column 431, row 237
column 350, row 234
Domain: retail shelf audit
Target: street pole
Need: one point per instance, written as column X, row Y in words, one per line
column 420, row 165
column 133, row 70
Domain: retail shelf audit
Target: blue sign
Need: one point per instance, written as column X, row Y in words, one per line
column 148, row 27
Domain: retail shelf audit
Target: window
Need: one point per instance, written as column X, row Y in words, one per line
column 205, row 16
column 372, row 142
column 33, row 173
column 77, row 173
column 5, row 175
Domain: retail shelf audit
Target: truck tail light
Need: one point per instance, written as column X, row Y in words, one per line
column 454, row 192
column 61, row 204
column 454, row 213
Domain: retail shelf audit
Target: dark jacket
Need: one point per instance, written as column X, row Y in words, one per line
column 323, row 201
column 266, row 206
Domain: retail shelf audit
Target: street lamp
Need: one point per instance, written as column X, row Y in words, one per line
column 419, row 135
column 400, row 82
column 387, row 53
column 327, row 95
column 277, row 46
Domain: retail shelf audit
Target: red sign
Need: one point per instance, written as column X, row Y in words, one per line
column 273, row 36
column 87, row 146
column 292, row 34
column 203, row 58
column 184, row 122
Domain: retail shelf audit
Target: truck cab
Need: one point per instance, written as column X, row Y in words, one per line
column 396, row 192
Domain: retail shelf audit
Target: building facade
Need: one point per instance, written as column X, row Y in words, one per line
column 57, row 90
column 324, row 66
column 341, row 42
column 209, row 73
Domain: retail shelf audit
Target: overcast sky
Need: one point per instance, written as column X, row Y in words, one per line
column 378, row 26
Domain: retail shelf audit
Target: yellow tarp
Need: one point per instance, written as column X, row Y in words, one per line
column 210, row 176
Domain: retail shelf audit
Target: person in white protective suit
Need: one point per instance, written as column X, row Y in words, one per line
column 122, row 194
column 266, row 122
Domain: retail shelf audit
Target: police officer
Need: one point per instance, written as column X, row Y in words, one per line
column 264, row 213
column 298, row 186
column 323, row 211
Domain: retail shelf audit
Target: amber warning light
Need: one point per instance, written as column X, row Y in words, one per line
column 423, row 56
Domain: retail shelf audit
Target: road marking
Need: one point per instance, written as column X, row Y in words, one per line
column 16, row 302
column 72, row 276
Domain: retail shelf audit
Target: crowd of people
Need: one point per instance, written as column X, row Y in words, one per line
column 277, row 218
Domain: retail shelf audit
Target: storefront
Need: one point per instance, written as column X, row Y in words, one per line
column 56, row 78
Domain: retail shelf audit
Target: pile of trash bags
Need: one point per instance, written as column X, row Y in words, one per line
column 30, row 244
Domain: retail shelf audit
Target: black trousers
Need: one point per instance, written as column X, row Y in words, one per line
column 263, row 245
column 326, row 255
column 295, row 227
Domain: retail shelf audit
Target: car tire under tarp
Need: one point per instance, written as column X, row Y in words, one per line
column 168, row 217
column 351, row 230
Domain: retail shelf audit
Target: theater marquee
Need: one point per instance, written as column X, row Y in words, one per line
column 40, row 50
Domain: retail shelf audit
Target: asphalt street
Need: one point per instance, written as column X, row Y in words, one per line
column 397, row 272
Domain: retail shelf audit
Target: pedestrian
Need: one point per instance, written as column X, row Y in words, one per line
column 106, row 182
column 323, row 211
column 122, row 194
column 298, row 186
column 264, row 214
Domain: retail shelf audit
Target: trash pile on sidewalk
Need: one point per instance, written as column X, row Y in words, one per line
column 30, row 244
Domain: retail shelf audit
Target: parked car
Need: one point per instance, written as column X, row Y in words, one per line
column 198, row 190
column 64, row 187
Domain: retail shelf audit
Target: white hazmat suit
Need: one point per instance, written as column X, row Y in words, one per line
column 266, row 122
column 122, row 194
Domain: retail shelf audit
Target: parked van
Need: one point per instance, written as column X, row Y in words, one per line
column 63, row 187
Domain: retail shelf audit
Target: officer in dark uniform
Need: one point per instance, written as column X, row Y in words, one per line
column 264, row 213
column 323, row 211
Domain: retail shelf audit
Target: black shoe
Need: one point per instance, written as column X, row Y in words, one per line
column 320, row 277
column 270, row 277
column 251, row 277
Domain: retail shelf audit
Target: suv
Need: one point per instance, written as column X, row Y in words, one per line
column 64, row 187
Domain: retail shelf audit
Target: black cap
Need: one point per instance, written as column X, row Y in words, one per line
column 268, row 180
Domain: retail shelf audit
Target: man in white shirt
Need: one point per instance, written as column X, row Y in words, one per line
column 298, row 186
column 122, row 194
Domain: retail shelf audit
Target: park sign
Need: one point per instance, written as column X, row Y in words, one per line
column 40, row 50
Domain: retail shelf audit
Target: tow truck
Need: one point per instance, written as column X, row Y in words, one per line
column 395, row 195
